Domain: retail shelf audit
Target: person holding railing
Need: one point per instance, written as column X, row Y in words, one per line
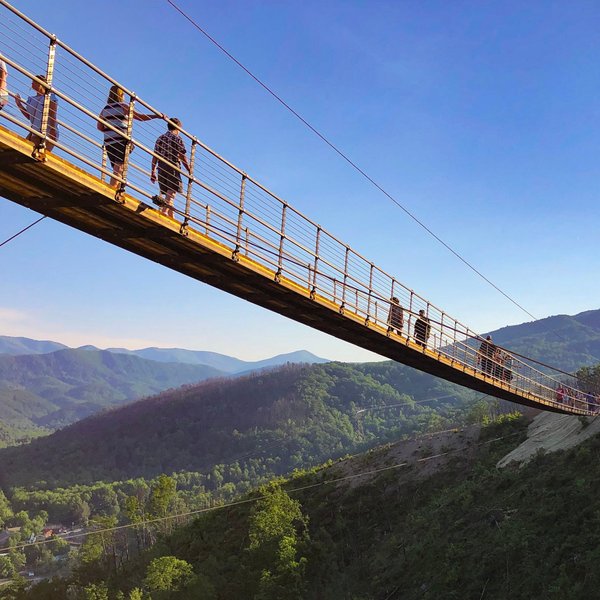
column 395, row 316
column 33, row 110
column 116, row 113
column 170, row 147
column 422, row 329
column 3, row 86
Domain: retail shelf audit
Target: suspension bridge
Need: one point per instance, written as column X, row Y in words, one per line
column 228, row 229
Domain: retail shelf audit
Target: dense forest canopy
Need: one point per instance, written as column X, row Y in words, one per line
column 264, row 424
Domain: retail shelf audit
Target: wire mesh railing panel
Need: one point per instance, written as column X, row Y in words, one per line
column 66, row 105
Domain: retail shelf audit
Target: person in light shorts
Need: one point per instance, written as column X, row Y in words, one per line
column 33, row 109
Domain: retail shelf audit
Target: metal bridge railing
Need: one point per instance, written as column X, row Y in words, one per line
column 223, row 202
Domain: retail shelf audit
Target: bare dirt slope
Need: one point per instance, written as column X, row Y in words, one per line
column 551, row 432
column 414, row 458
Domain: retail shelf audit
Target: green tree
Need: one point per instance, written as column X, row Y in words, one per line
column 168, row 574
column 95, row 591
column 478, row 413
column 160, row 503
column 7, row 568
column 5, row 510
column 277, row 527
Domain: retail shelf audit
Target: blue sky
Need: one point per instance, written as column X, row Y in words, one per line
column 480, row 117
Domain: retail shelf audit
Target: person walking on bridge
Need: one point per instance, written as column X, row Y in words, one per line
column 396, row 316
column 486, row 354
column 170, row 147
column 422, row 329
column 116, row 113
column 33, row 109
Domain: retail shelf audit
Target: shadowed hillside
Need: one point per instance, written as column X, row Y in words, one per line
column 563, row 341
column 265, row 423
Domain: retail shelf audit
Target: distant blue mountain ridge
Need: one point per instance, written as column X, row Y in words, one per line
column 18, row 346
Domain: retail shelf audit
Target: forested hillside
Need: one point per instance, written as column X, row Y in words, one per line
column 17, row 346
column 242, row 429
column 54, row 389
column 564, row 341
column 421, row 521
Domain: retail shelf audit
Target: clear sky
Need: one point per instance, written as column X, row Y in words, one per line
column 480, row 117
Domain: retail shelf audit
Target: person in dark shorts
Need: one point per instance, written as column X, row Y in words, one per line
column 422, row 329
column 170, row 147
column 395, row 316
column 115, row 114
column 486, row 355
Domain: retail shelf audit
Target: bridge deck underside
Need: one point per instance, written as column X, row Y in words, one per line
column 64, row 192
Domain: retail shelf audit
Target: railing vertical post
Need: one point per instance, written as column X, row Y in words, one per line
column 41, row 144
column 370, row 291
column 441, row 330
column 465, row 345
column 356, row 305
column 104, row 162
column 281, row 239
column 410, row 314
column 454, row 346
column 241, row 211
column 128, row 147
column 207, row 218
column 345, row 275
column 316, row 262
column 188, row 193
column 247, row 238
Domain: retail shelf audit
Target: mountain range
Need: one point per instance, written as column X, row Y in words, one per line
column 30, row 400
column 17, row 346
column 563, row 341
column 49, row 388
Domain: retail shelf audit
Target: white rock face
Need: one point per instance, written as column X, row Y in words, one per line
column 551, row 432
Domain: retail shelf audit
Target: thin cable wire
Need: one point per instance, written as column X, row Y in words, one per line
column 384, row 406
column 256, row 499
column 348, row 159
column 12, row 237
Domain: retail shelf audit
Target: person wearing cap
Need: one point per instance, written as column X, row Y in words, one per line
column 395, row 316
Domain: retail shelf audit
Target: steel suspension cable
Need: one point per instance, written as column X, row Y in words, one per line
column 12, row 237
column 346, row 158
